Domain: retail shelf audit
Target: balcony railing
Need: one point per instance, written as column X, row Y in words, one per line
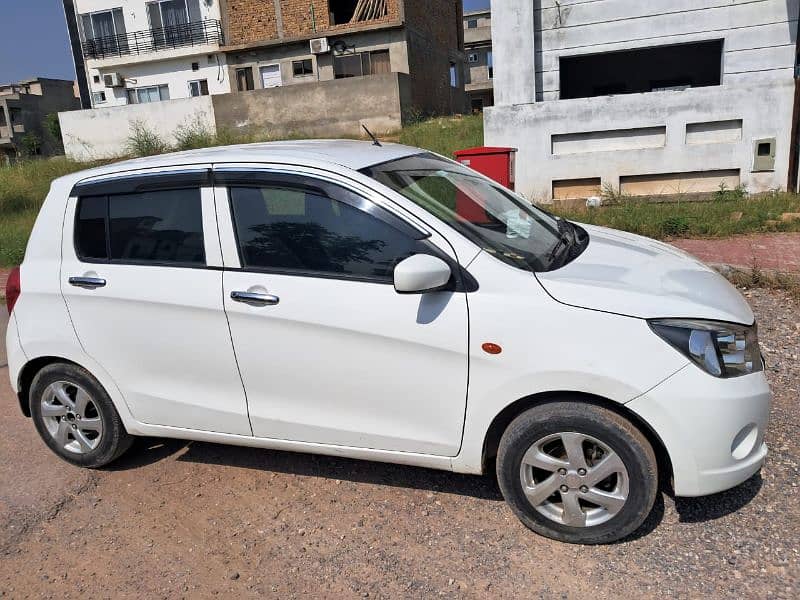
column 152, row 40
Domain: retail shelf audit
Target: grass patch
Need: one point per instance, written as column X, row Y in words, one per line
column 445, row 135
column 716, row 218
column 756, row 278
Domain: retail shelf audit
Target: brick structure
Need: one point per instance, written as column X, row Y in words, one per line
column 268, row 45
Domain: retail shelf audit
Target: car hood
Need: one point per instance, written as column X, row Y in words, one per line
column 636, row 276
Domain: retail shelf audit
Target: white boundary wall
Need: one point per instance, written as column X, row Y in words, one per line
column 104, row 132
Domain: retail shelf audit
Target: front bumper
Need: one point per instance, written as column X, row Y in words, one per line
column 713, row 429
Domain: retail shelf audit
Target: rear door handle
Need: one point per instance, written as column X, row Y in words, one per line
column 255, row 299
column 89, row 283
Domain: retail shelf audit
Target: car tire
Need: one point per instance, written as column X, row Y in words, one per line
column 601, row 470
column 75, row 416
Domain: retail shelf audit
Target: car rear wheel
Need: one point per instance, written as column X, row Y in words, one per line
column 577, row 472
column 75, row 416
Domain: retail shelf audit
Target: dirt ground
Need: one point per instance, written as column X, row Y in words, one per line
column 175, row 519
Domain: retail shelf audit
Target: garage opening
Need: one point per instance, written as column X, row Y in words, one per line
column 673, row 67
column 354, row 11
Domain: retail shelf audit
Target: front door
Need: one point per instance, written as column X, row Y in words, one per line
column 271, row 76
column 329, row 353
column 141, row 275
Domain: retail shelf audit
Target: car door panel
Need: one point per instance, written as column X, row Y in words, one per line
column 346, row 361
column 160, row 331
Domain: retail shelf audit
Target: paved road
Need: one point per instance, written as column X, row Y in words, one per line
column 174, row 519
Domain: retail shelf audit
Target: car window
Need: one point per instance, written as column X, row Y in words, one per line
column 301, row 229
column 159, row 227
column 90, row 228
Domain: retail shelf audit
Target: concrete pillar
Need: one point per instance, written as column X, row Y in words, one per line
column 513, row 49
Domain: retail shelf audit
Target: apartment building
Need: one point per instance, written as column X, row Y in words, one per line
column 672, row 97
column 276, row 43
column 480, row 65
column 139, row 51
column 23, row 108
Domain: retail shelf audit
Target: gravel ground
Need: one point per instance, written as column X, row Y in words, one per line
column 197, row 520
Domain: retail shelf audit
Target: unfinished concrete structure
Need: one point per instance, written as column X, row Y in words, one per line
column 276, row 43
column 645, row 98
column 23, row 108
column 479, row 81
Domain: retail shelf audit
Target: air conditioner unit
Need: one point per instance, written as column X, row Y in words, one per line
column 320, row 46
column 113, row 80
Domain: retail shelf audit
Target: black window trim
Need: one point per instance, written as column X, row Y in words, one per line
column 144, row 182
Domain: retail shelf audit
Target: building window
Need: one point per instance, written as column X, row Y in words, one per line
column 96, row 78
column 302, row 68
column 350, row 65
column 380, row 62
column 472, row 24
column 672, row 67
column 244, row 79
column 104, row 31
column 198, row 88
column 169, row 22
column 98, row 97
column 453, row 75
column 151, row 93
column 472, row 57
column 3, row 122
column 362, row 63
column 490, row 64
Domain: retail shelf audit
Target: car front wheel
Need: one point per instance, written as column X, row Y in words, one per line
column 577, row 472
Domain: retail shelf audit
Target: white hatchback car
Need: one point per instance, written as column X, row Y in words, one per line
column 383, row 303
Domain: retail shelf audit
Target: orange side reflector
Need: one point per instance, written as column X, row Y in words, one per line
column 491, row 348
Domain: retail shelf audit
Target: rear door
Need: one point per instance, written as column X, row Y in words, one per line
column 329, row 353
column 142, row 277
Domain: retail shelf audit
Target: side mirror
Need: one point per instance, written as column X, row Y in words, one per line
column 420, row 274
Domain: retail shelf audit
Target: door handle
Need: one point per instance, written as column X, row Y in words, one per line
column 255, row 299
column 88, row 283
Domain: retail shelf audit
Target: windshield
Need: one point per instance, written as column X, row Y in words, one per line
column 492, row 217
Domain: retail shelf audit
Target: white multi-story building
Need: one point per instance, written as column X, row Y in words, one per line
column 645, row 98
column 137, row 51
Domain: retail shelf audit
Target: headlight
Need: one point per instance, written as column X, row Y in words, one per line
column 721, row 349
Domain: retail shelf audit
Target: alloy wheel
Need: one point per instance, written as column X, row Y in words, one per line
column 574, row 479
column 71, row 417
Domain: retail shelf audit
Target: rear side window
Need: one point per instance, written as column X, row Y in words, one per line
column 90, row 228
column 303, row 230
column 157, row 227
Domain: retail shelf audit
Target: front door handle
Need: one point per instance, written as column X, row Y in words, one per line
column 255, row 299
column 89, row 283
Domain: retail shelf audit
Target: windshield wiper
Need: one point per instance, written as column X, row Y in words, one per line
column 566, row 240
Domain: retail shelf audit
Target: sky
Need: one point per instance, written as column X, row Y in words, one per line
column 34, row 42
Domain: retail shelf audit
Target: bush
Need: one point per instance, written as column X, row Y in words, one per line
column 31, row 144
column 52, row 126
column 144, row 142
column 675, row 225
column 193, row 135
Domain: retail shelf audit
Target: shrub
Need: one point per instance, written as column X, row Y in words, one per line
column 52, row 126
column 144, row 142
column 194, row 134
column 31, row 144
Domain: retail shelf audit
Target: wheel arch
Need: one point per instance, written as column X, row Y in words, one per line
column 504, row 418
column 28, row 373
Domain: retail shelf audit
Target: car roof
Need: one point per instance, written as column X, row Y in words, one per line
column 351, row 154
